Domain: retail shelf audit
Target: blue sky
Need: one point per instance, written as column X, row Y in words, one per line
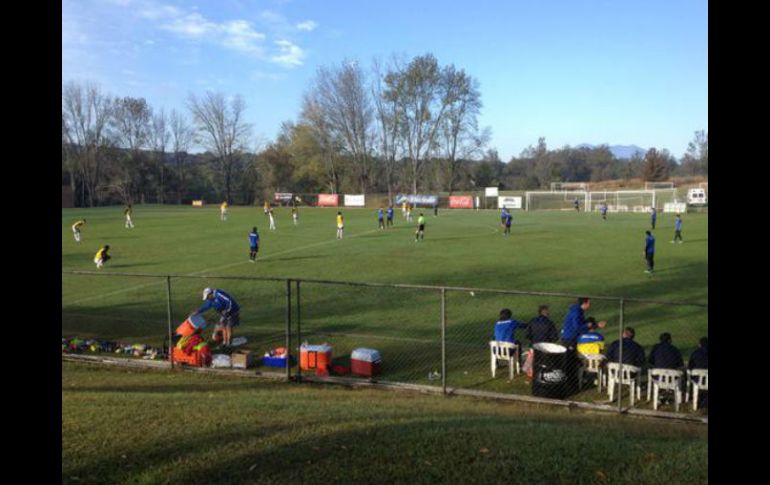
column 617, row 72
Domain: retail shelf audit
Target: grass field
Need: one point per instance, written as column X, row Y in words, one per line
column 141, row 427
column 548, row 251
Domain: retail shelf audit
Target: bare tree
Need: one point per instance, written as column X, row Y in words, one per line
column 182, row 135
column 388, row 125
column 86, row 112
column 132, row 120
column 421, row 96
column 315, row 118
column 223, row 130
column 159, row 136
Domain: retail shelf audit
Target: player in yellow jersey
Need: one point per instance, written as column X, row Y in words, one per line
column 403, row 209
column 295, row 215
column 267, row 207
column 102, row 256
column 76, row 229
column 340, row 225
column 223, row 211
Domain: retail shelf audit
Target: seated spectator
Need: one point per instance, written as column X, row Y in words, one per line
column 541, row 328
column 699, row 359
column 633, row 353
column 505, row 328
column 591, row 342
column 664, row 355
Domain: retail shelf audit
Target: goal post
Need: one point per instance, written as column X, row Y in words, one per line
column 569, row 186
column 658, row 185
column 622, row 200
column 563, row 200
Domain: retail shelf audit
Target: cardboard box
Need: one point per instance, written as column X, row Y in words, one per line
column 243, row 359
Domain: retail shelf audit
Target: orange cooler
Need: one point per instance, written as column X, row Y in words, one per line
column 315, row 356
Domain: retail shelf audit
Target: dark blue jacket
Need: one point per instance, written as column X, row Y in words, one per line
column 633, row 353
column 699, row 359
column 222, row 302
column 542, row 329
column 505, row 330
column 665, row 356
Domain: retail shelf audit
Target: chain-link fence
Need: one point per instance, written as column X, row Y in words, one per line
column 504, row 342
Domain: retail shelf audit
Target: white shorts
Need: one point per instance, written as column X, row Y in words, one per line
column 339, row 226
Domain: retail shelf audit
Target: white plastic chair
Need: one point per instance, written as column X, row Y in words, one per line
column 505, row 351
column 664, row 379
column 592, row 364
column 632, row 377
column 697, row 380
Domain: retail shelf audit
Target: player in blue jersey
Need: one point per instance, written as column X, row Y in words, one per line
column 678, row 229
column 506, row 326
column 228, row 309
column 653, row 217
column 603, row 210
column 390, row 215
column 253, row 244
column 649, row 251
column 507, row 218
column 381, row 218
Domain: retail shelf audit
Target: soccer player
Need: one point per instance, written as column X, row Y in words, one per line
column 76, row 229
column 603, row 210
column 390, row 215
column 295, row 215
column 653, row 217
column 381, row 218
column 507, row 218
column 649, row 251
column 228, row 309
column 102, row 256
column 420, row 233
column 272, row 219
column 577, row 204
column 409, row 213
column 403, row 209
column 127, row 212
column 254, row 244
column 435, row 209
column 223, row 211
column 340, row 225
column 267, row 207
column 678, row 229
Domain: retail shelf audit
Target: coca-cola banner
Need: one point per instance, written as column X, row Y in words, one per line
column 328, row 200
column 460, row 202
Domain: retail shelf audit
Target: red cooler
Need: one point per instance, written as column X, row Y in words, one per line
column 365, row 362
column 315, row 356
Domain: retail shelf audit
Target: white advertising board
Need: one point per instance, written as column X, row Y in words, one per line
column 509, row 202
column 355, row 200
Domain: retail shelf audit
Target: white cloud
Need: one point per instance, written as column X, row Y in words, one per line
column 191, row 25
column 291, row 55
column 307, row 25
column 239, row 35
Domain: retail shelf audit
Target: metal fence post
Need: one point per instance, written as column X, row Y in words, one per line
column 299, row 332
column 443, row 339
column 288, row 330
column 168, row 309
column 620, row 358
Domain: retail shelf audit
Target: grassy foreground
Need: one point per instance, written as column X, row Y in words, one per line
column 137, row 426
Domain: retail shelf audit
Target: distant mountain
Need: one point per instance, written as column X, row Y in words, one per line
column 620, row 151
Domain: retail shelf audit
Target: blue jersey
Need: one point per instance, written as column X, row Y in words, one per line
column 678, row 224
column 575, row 323
column 380, row 214
column 604, row 209
column 654, row 214
column 507, row 217
column 253, row 239
column 505, row 330
column 649, row 245
column 222, row 302
column 390, row 213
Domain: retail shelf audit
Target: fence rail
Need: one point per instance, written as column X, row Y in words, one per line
column 442, row 332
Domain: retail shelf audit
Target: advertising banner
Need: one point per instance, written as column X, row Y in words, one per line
column 509, row 202
column 491, row 192
column 355, row 200
column 427, row 200
column 282, row 196
column 328, row 200
column 198, row 203
column 460, row 202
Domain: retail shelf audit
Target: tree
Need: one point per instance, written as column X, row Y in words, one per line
column 696, row 159
column 316, row 119
column 86, row 112
column 389, row 126
column 132, row 123
column 655, row 166
column 182, row 135
column 160, row 138
column 421, row 96
column 223, row 130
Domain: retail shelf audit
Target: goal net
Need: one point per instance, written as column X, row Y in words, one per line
column 658, row 185
column 540, row 200
column 622, row 200
column 569, row 186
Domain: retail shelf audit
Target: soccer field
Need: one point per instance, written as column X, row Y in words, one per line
column 574, row 253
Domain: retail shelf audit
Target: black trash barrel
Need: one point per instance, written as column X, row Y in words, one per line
column 555, row 371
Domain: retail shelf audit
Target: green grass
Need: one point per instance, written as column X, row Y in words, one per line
column 134, row 427
column 548, row 251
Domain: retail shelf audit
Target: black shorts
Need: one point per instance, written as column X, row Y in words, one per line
column 421, row 228
column 254, row 249
column 231, row 320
